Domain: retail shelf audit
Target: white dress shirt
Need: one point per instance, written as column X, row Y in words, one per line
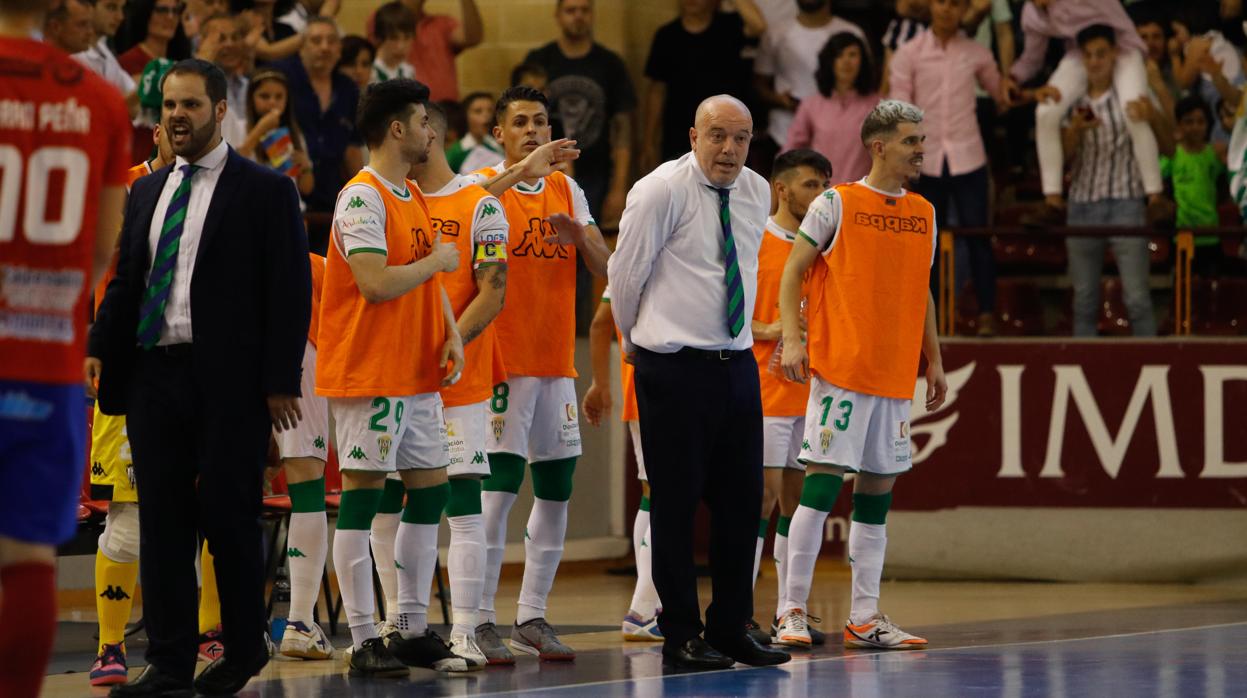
column 177, row 329
column 100, row 59
column 667, row 276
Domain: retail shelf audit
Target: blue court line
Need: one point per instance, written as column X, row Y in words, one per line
column 749, row 673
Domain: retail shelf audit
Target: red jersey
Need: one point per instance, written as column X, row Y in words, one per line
column 64, row 136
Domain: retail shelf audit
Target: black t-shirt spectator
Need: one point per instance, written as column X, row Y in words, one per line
column 585, row 94
column 694, row 67
column 328, row 133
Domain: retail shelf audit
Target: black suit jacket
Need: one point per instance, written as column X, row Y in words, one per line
column 250, row 295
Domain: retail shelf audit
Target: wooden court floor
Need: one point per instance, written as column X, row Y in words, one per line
column 957, row 617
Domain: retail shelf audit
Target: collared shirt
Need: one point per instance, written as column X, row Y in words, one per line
column 940, row 79
column 328, row 132
column 177, row 328
column 667, row 275
column 819, row 125
column 101, row 60
column 1104, row 166
column 234, row 127
column 1063, row 19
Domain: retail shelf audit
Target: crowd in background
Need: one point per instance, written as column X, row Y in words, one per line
column 1078, row 112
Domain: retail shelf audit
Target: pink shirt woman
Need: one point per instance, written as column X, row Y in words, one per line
column 830, row 120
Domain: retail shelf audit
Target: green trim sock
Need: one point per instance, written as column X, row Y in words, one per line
column 392, row 498
column 781, row 528
column 307, row 497
column 552, row 479
column 426, row 504
column 871, row 508
column 465, row 497
column 506, row 473
column 352, row 561
column 819, row 491
column 644, row 504
column 357, row 509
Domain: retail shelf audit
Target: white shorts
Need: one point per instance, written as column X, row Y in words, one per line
column 385, row 434
column 535, row 418
column 781, row 442
column 310, row 437
column 634, row 428
column 863, row 433
column 465, row 439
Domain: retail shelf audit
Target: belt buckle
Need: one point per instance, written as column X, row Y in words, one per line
column 725, row 354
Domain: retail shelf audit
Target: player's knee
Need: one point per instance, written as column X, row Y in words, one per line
column 506, row 473
column 820, row 490
column 303, row 469
column 120, row 540
column 465, row 497
column 552, row 480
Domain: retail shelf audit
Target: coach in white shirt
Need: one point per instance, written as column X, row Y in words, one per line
column 107, row 16
column 683, row 281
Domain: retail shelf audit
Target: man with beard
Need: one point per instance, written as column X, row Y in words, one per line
column 221, row 42
column 786, row 64
column 387, row 342
column 198, row 342
column 870, row 245
column 70, row 26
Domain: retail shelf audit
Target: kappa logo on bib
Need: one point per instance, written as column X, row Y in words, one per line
column 383, row 445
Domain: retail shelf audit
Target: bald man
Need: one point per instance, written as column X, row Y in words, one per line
column 683, row 281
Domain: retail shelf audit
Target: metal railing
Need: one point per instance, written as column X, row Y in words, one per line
column 1184, row 251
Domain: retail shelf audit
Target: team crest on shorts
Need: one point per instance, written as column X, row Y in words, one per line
column 824, row 439
column 383, row 445
column 498, row 424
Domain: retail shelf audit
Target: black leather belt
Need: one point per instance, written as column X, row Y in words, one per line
column 176, row 350
column 714, row 354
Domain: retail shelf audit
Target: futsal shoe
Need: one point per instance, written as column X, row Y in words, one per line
column 793, row 630
column 426, row 651
column 759, row 635
column 210, row 647
column 374, row 659
column 463, row 645
column 109, row 667
column 305, row 641
column 880, row 634
column 492, row 646
column 536, row 637
column 637, row 629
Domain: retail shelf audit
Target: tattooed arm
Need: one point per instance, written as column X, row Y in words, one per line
column 491, row 290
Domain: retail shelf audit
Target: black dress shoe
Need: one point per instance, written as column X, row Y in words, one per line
column 153, row 682
column 695, row 655
column 225, row 676
column 746, row 650
column 757, row 633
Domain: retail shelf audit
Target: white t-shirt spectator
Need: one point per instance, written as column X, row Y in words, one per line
column 789, row 53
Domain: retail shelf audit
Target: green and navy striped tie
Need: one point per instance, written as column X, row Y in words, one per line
column 160, row 282
column 731, row 267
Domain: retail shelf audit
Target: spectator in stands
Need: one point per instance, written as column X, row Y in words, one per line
column 530, row 75
column 356, row 62
column 221, row 41
column 439, row 38
column 479, row 109
column 298, row 15
column 1204, row 63
column 272, row 40
column 938, row 72
column 1156, row 32
column 695, row 56
column 99, row 57
column 912, row 17
column 394, row 28
column 70, row 26
column 273, row 135
column 1043, row 20
column 784, row 72
column 846, row 95
column 1196, row 171
column 324, row 103
column 153, row 29
column 1107, row 188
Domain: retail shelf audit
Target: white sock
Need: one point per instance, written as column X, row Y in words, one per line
column 415, row 554
column 306, row 546
column 868, row 543
column 645, row 596
column 805, row 537
column 543, row 548
column 757, row 558
column 384, row 531
column 354, row 569
column 494, row 508
column 781, row 572
column 465, row 563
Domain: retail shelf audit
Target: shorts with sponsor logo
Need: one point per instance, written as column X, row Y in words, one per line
column 864, row 433
column 634, row 429
column 309, row 438
column 43, row 444
column 535, row 418
column 781, row 442
column 112, row 469
column 384, row 434
column 466, row 427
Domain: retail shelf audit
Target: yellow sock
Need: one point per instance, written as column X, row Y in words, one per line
column 114, row 597
column 209, row 602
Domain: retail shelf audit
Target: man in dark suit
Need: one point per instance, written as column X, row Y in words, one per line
column 199, row 341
